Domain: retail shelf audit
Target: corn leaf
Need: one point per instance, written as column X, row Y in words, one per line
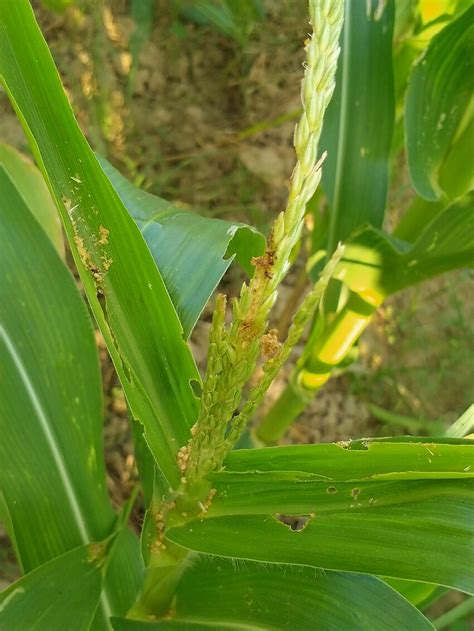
column 407, row 458
column 374, row 260
column 438, row 95
column 259, row 596
column 52, row 472
column 358, row 124
column 61, row 594
column 123, row 624
column 50, row 396
column 417, row 543
column 30, row 184
column 397, row 520
column 191, row 252
column 419, row 594
column 126, row 292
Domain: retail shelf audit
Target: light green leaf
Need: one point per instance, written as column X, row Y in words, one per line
column 464, row 425
column 406, row 459
column 439, row 91
column 30, row 184
column 429, row 539
column 61, row 594
column 257, row 596
column 358, row 124
column 52, row 476
column 419, row 594
column 375, row 507
column 416, row 217
column 260, row 493
column 374, row 261
column 191, row 252
column 125, row 290
column 456, row 175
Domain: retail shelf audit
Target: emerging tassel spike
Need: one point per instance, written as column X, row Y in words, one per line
column 238, row 346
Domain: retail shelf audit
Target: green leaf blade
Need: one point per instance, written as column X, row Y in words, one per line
column 377, row 507
column 439, row 91
column 378, row 262
column 394, row 545
column 61, row 594
column 50, row 395
column 229, row 594
column 191, row 252
column 406, row 458
column 358, row 125
column 125, row 290
column 30, row 184
column 52, row 476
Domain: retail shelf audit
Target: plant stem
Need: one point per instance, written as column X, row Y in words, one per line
column 284, row 411
column 238, row 347
column 460, row 611
column 160, row 584
column 413, row 425
column 464, row 425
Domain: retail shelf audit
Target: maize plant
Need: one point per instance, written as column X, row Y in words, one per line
column 357, row 535
column 427, row 97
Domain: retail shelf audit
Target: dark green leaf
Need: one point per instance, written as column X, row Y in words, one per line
column 191, row 252
column 456, row 175
column 52, row 475
column 62, row 594
column 438, row 94
column 256, row 596
column 125, row 290
column 358, row 124
column 50, row 397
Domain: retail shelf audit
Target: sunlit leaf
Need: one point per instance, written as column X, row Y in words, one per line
column 376, row 262
column 389, row 515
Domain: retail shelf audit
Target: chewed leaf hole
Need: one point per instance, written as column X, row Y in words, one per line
column 294, row 522
column 196, row 388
